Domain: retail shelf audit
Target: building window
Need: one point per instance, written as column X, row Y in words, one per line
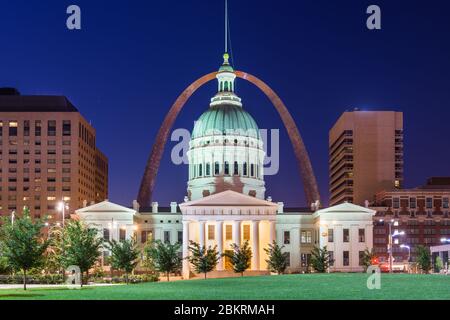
column 146, row 235
column 122, row 234
column 246, row 231
column 346, row 235
column 330, row 235
column 445, row 203
column 396, row 203
column 412, row 203
column 346, row 258
column 200, row 170
column 252, row 170
column 361, row 258
column 288, row 259
column 211, row 232
column 37, row 128
column 331, row 258
column 51, row 128
column 208, row 169
column 67, row 128
column 228, row 232
column 286, row 237
column 227, row 168
column 362, row 235
column 180, row 237
column 429, row 203
column 244, row 169
column 236, row 168
column 166, row 236
column 106, row 234
column 13, row 128
column 26, row 128
column 306, row 237
column 216, row 168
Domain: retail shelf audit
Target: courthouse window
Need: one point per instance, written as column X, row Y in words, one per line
column 228, row 232
column 306, row 237
column 210, row 232
column 122, row 234
column 287, row 237
column 166, row 236
column 330, row 235
column 246, row 232
column 346, row 256
column 346, row 235
column 362, row 235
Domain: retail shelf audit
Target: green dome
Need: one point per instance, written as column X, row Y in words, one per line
column 225, row 119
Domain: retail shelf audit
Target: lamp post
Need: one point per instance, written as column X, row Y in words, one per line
column 409, row 252
column 390, row 240
column 13, row 215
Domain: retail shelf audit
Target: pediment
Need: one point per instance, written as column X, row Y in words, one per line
column 228, row 198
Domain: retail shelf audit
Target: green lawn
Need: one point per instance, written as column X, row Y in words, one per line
column 307, row 286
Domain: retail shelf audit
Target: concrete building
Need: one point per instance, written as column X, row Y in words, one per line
column 422, row 213
column 48, row 154
column 226, row 204
column 365, row 155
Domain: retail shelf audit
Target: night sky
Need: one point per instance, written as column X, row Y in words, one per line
column 132, row 59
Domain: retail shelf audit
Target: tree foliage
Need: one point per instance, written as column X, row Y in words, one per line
column 277, row 260
column 124, row 255
column 367, row 258
column 240, row 258
column 203, row 259
column 320, row 259
column 81, row 246
column 423, row 258
column 23, row 246
column 163, row 257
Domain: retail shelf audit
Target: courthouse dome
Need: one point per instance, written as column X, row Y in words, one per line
column 226, row 119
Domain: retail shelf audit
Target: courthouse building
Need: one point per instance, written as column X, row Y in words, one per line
column 226, row 200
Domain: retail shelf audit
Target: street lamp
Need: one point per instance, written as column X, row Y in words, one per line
column 62, row 207
column 391, row 237
column 409, row 250
column 445, row 240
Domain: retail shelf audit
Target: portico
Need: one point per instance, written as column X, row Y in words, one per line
column 226, row 218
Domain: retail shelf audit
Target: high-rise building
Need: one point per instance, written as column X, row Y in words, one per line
column 48, row 154
column 365, row 155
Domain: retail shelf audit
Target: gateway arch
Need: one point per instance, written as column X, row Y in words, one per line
column 303, row 162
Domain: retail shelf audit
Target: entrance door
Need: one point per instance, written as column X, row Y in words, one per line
column 228, row 265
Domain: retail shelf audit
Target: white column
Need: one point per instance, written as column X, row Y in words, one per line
column 219, row 242
column 201, row 232
column 255, row 245
column 237, row 232
column 272, row 232
column 185, row 249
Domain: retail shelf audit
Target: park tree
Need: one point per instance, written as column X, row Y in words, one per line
column 81, row 246
column 320, row 259
column 240, row 257
column 277, row 260
column 23, row 246
column 439, row 264
column 203, row 259
column 124, row 255
column 367, row 258
column 423, row 258
column 53, row 257
column 163, row 257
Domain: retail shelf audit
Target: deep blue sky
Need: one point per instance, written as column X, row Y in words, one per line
column 132, row 59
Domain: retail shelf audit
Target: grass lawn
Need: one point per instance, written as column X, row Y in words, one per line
column 307, row 286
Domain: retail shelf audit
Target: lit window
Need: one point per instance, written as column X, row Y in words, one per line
column 51, row 198
column 246, row 232
column 210, row 232
column 286, row 237
column 228, row 232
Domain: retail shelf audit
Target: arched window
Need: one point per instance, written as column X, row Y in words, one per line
column 221, row 87
column 226, row 86
column 236, row 168
column 252, row 170
column 200, row 170
column 216, row 168
column 257, row 171
column 194, row 174
column 244, row 168
column 227, row 168
column 208, row 169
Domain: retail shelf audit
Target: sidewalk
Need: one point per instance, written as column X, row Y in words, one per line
column 34, row 286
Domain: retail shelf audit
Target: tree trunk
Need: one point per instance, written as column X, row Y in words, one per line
column 168, row 276
column 24, row 279
column 87, row 276
column 126, row 277
column 81, row 278
column 242, row 274
column 205, row 275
